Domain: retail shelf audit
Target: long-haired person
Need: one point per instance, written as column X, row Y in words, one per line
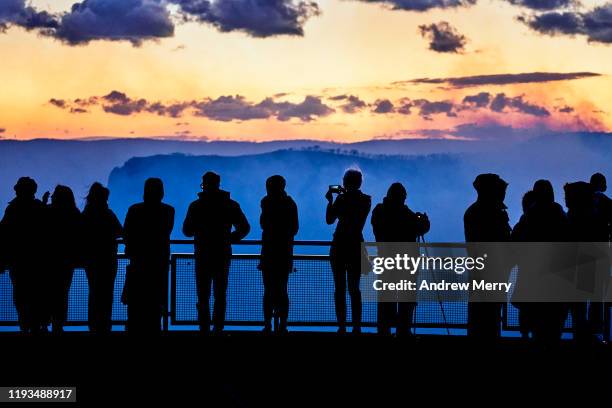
column 279, row 224
column 63, row 227
column 350, row 208
column 101, row 228
column 147, row 230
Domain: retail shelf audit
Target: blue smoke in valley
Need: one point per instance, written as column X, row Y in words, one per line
column 437, row 173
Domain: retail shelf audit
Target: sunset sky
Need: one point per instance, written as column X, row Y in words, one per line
column 340, row 70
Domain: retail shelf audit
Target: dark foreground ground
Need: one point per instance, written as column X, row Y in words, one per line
column 306, row 369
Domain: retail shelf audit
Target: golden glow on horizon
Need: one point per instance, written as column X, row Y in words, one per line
column 353, row 48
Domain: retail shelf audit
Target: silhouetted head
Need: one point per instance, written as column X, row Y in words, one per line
column 98, row 195
column 490, row 187
column 153, row 190
column 25, row 187
column 528, row 200
column 63, row 198
column 598, row 182
column 578, row 195
column 352, row 179
column 397, row 193
column 211, row 181
column 543, row 191
column 275, row 185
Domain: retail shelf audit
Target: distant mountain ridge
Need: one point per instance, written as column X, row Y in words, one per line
column 560, row 157
column 440, row 184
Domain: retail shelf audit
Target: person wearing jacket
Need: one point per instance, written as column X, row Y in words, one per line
column 394, row 222
column 486, row 220
column 22, row 226
column 216, row 222
column 586, row 225
column 279, row 225
column 543, row 221
column 100, row 231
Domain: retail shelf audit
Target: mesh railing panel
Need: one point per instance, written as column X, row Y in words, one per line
column 311, row 292
column 8, row 314
column 77, row 297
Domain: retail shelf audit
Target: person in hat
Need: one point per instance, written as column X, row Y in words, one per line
column 486, row 220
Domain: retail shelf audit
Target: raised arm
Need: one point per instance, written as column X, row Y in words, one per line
column 331, row 214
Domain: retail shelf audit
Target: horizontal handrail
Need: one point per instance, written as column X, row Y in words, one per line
column 318, row 243
column 246, row 242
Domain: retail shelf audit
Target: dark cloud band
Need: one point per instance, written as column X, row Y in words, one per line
column 137, row 21
column 501, row 79
column 595, row 24
column 224, row 108
column 258, row 18
column 422, row 5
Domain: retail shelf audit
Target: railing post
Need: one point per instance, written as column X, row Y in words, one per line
column 166, row 303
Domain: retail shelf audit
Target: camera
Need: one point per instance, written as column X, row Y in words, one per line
column 336, row 189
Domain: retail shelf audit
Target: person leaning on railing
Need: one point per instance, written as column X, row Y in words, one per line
column 210, row 220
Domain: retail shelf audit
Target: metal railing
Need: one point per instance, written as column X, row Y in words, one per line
column 311, row 294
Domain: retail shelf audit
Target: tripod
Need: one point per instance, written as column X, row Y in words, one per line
column 421, row 239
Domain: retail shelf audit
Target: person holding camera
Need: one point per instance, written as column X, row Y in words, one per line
column 350, row 208
column 395, row 224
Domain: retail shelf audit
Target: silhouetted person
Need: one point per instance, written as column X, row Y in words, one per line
column 210, row 220
column 62, row 242
column 147, row 230
column 603, row 207
column 394, row 222
column 101, row 229
column 351, row 209
column 543, row 221
column 279, row 224
column 586, row 225
column 517, row 235
column 486, row 220
column 3, row 244
column 603, row 204
column 23, row 226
